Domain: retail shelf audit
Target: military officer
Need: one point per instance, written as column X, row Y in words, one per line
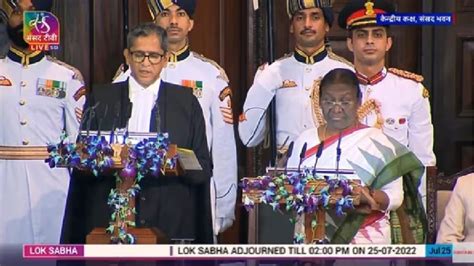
column 209, row 83
column 404, row 105
column 290, row 79
column 40, row 97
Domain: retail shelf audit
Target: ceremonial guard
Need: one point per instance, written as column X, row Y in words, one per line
column 290, row 79
column 40, row 97
column 210, row 85
column 404, row 107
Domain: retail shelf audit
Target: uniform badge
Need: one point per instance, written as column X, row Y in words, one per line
column 78, row 112
column 227, row 114
column 224, row 93
column 51, row 88
column 196, row 85
column 288, row 84
column 79, row 93
column 390, row 121
column 4, row 81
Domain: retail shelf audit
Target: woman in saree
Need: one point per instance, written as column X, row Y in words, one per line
column 388, row 172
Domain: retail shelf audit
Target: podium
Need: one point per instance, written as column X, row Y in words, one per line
column 281, row 181
column 125, row 152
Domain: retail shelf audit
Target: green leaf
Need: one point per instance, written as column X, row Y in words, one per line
column 387, row 153
column 110, row 229
column 376, row 163
column 399, row 148
column 314, row 223
column 363, row 174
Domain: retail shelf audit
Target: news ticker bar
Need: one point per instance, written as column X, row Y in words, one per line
column 463, row 252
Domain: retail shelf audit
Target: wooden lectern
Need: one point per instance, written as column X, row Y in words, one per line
column 120, row 159
column 142, row 235
column 318, row 234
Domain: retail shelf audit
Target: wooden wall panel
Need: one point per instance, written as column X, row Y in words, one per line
column 465, row 77
column 466, row 154
column 74, row 17
column 452, row 85
column 107, row 39
column 465, row 5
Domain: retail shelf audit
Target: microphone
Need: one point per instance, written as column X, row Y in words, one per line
column 318, row 155
column 338, row 154
column 288, row 154
column 128, row 114
column 91, row 116
column 158, row 118
column 84, row 117
column 114, row 121
column 101, row 119
column 302, row 155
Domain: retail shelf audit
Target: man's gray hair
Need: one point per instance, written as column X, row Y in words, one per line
column 145, row 30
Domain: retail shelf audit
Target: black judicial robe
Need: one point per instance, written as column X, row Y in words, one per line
column 178, row 206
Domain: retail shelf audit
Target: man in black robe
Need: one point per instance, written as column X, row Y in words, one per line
column 179, row 206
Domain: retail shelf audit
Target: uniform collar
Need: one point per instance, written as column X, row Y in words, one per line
column 364, row 80
column 24, row 59
column 319, row 55
column 180, row 55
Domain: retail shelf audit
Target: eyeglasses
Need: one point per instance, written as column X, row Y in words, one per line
column 139, row 57
column 332, row 104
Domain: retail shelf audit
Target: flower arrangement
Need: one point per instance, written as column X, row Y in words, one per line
column 95, row 154
column 300, row 192
column 146, row 158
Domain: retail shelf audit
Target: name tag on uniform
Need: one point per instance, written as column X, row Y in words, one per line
column 51, row 88
column 196, row 85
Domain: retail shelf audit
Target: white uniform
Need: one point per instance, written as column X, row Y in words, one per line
column 290, row 79
column 405, row 110
column 458, row 222
column 39, row 98
column 210, row 85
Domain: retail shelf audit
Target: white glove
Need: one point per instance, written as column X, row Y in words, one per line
column 222, row 224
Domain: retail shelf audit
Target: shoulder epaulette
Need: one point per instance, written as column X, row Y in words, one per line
column 263, row 66
column 406, row 74
column 222, row 74
column 77, row 74
column 426, row 92
column 341, row 59
column 285, row 56
column 119, row 71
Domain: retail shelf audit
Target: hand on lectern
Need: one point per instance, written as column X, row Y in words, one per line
column 367, row 201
